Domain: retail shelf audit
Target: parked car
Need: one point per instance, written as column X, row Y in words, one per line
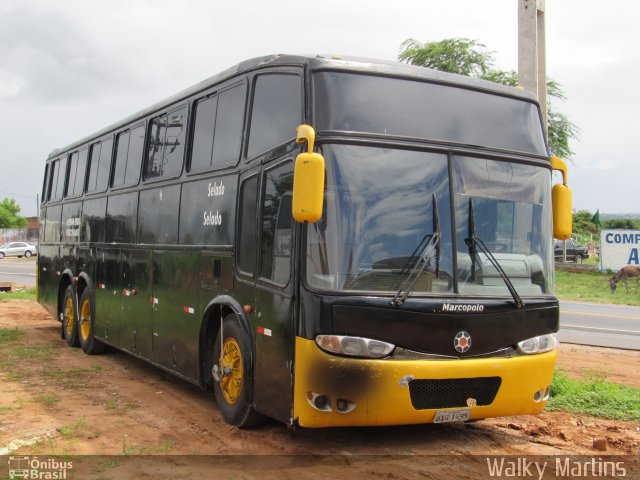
column 575, row 253
column 18, row 249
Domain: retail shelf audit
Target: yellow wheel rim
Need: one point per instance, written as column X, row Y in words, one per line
column 68, row 312
column 85, row 320
column 231, row 384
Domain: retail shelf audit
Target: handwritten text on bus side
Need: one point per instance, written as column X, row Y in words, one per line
column 210, row 218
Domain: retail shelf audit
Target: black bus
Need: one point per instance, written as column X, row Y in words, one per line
column 396, row 268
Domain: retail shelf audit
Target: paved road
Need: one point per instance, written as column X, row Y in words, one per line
column 599, row 324
column 22, row 271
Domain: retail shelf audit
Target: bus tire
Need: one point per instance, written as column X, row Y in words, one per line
column 233, row 390
column 70, row 318
column 87, row 324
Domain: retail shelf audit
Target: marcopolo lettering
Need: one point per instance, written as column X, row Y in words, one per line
column 451, row 307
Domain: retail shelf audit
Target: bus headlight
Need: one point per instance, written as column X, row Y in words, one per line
column 354, row 346
column 541, row 344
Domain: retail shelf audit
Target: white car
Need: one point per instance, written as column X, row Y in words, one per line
column 18, row 249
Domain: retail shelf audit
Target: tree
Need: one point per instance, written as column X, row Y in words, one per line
column 624, row 223
column 471, row 58
column 582, row 225
column 9, row 217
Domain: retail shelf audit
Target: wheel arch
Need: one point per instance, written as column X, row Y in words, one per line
column 217, row 309
column 66, row 279
column 82, row 282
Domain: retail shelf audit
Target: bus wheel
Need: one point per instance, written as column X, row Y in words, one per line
column 86, row 325
column 233, row 376
column 70, row 318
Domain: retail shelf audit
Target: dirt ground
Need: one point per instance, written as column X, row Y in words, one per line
column 55, row 400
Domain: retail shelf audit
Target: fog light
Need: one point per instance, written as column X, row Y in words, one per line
column 344, row 406
column 319, row 401
column 540, row 395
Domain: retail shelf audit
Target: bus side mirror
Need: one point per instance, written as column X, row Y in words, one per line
column 561, row 200
column 308, row 180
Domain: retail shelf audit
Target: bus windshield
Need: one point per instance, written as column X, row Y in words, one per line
column 379, row 209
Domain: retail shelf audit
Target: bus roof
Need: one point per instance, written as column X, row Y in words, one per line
column 314, row 62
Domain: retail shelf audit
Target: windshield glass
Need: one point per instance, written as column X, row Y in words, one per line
column 379, row 206
column 507, row 206
column 379, row 214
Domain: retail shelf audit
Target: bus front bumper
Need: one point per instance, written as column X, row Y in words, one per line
column 361, row 392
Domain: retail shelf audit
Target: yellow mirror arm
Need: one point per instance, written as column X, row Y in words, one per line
column 559, row 165
column 308, row 134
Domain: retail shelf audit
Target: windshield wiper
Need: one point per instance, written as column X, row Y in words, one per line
column 420, row 259
column 475, row 241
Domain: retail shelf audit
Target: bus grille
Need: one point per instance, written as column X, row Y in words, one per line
column 451, row 393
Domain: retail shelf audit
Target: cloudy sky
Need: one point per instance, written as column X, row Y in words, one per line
column 71, row 67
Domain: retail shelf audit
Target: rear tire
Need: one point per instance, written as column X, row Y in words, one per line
column 27, row 254
column 578, row 258
column 233, row 390
column 1, row 255
column 70, row 318
column 87, row 324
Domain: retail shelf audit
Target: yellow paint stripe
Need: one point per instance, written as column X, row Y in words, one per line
column 605, row 315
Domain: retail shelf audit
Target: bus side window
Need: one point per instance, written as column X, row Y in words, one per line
column 104, row 168
column 45, row 181
column 58, row 176
column 94, row 160
column 129, row 146
column 166, row 144
column 276, row 112
column 81, row 173
column 246, row 245
column 275, row 245
column 73, row 167
column 120, row 162
column 217, row 130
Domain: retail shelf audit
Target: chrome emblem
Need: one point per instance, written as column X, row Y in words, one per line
column 462, row 342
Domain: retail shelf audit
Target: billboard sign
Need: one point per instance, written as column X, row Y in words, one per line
column 619, row 248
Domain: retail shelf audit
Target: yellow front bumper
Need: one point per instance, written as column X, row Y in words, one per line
column 379, row 388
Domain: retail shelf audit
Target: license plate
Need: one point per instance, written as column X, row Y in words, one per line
column 445, row 416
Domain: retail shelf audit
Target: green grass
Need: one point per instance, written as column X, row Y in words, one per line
column 48, row 400
column 594, row 396
column 10, row 335
column 28, row 294
column 594, row 287
column 35, row 352
column 71, row 430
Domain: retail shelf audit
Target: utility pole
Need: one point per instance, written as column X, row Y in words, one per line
column 532, row 70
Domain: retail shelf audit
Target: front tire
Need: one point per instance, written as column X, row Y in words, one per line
column 233, row 390
column 578, row 258
column 70, row 318
column 1, row 255
column 87, row 324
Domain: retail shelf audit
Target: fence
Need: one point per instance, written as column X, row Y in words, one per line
column 18, row 234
